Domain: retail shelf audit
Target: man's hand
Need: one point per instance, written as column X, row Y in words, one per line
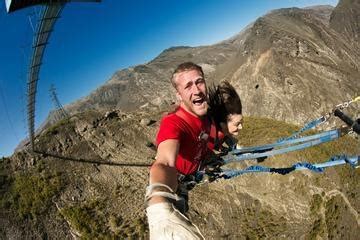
column 166, row 222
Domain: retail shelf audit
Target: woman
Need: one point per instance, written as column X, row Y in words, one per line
column 226, row 111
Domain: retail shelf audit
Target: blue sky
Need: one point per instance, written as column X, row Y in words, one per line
column 93, row 40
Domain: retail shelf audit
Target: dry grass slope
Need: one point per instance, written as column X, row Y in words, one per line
column 90, row 179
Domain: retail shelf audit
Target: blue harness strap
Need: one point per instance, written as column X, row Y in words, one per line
column 259, row 152
column 268, row 147
column 353, row 161
column 289, row 144
column 306, row 127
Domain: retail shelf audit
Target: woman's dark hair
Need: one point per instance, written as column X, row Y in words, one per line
column 223, row 101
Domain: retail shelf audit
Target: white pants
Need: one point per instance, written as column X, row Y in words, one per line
column 166, row 222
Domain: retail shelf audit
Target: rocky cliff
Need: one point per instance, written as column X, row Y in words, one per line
column 88, row 176
column 291, row 64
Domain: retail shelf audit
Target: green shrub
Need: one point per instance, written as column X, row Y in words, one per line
column 317, row 230
column 315, row 204
column 88, row 220
column 30, row 194
column 54, row 129
column 34, row 193
column 92, row 221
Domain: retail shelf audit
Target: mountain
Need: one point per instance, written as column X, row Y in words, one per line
column 345, row 19
column 87, row 179
column 291, row 64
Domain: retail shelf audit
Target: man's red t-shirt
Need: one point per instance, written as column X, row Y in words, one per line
column 216, row 138
column 192, row 134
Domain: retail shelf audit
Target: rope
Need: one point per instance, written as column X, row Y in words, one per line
column 268, row 147
column 309, row 141
column 306, row 127
column 284, row 145
column 320, row 120
column 353, row 161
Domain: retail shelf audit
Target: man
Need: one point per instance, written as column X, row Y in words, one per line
column 181, row 140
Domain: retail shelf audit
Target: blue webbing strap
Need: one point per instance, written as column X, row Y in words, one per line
column 318, row 168
column 320, row 120
column 284, row 143
column 331, row 135
column 306, row 127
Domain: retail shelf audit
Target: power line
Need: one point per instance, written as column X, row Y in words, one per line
column 7, row 112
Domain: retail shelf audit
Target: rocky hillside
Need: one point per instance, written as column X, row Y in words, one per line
column 88, row 175
column 346, row 20
column 291, row 64
column 88, row 178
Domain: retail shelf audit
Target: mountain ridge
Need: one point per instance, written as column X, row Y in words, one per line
column 311, row 44
column 88, row 176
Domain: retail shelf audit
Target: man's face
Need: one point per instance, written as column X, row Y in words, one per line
column 191, row 90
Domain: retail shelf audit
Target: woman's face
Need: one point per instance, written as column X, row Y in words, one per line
column 234, row 124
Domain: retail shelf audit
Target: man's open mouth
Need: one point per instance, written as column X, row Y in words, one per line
column 198, row 101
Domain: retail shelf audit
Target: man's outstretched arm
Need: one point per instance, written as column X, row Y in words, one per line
column 163, row 170
column 165, row 221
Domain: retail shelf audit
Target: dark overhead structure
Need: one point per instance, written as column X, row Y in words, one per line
column 49, row 15
column 13, row 5
column 50, row 12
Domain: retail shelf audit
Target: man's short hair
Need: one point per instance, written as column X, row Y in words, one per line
column 183, row 67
